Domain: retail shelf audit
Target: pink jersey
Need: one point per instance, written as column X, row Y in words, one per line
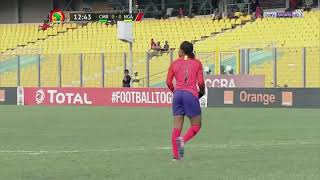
column 188, row 74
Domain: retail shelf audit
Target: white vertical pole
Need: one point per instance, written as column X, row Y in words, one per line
column 304, row 67
column 81, row 70
column 18, row 71
column 59, row 71
column 39, row 70
column 171, row 56
column 274, row 52
column 131, row 44
column 147, row 70
column 131, row 59
column 124, row 61
column 130, row 6
column 102, row 69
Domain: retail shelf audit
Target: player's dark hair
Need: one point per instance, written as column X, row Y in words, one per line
column 126, row 71
column 187, row 48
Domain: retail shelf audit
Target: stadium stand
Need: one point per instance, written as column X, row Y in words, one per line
column 95, row 38
column 13, row 35
column 24, row 40
column 288, row 35
column 206, row 28
column 227, row 36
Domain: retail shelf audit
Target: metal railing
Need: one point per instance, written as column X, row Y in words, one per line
column 282, row 67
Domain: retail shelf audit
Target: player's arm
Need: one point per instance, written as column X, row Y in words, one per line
column 170, row 77
column 201, row 81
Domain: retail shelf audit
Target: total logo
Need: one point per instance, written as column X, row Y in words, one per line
column 40, row 96
column 56, row 97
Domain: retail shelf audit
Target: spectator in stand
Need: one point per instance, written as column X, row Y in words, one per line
column 158, row 47
column 208, row 72
column 254, row 5
column 113, row 21
column 181, row 13
column 152, row 45
column 308, row 5
column 155, row 49
column 126, row 79
column 229, row 70
column 222, row 69
column 45, row 25
column 293, row 4
column 259, row 12
column 256, row 9
column 165, row 47
column 213, row 16
column 136, row 80
column 216, row 16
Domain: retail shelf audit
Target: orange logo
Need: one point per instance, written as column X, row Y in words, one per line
column 287, row 99
column 228, row 97
column 2, row 95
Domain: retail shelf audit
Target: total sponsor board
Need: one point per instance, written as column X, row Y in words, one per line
column 56, row 97
column 154, row 97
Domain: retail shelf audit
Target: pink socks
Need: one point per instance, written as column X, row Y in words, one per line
column 192, row 131
column 175, row 134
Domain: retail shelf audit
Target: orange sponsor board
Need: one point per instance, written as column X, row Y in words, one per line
column 2, row 95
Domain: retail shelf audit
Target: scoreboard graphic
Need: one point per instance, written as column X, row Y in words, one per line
column 102, row 17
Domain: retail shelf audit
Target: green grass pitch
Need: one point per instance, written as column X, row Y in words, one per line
column 94, row 143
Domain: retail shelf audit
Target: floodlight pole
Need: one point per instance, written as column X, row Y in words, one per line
column 131, row 58
column 131, row 45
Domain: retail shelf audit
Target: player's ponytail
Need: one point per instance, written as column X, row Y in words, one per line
column 191, row 55
column 187, row 48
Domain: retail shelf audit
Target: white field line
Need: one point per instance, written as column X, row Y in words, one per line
column 217, row 146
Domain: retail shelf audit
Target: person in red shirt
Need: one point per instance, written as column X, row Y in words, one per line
column 259, row 12
column 188, row 74
column 181, row 13
column 44, row 26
